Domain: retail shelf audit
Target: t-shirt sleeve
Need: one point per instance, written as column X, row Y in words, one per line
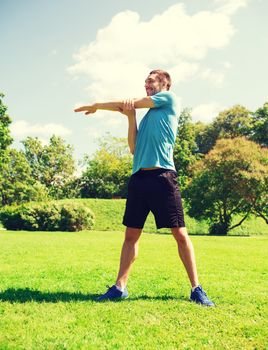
column 161, row 99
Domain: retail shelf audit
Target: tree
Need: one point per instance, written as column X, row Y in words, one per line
column 259, row 202
column 185, row 150
column 260, row 126
column 52, row 165
column 206, row 137
column 234, row 122
column 107, row 173
column 5, row 121
column 16, row 183
column 225, row 180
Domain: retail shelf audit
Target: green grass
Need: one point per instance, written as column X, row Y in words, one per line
column 109, row 215
column 48, row 283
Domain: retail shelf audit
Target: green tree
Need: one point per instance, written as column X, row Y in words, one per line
column 260, row 126
column 234, row 122
column 224, row 180
column 5, row 121
column 16, row 183
column 52, row 165
column 185, row 150
column 107, row 173
column 206, row 137
column 259, row 202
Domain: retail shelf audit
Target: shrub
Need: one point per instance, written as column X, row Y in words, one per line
column 75, row 217
column 10, row 217
column 47, row 216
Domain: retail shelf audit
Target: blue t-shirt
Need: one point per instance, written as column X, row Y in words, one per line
column 157, row 133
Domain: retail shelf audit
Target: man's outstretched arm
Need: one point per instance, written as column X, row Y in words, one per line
column 145, row 102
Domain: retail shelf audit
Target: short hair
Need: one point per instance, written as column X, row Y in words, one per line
column 162, row 76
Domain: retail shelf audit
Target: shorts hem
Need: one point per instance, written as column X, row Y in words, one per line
column 169, row 226
column 132, row 226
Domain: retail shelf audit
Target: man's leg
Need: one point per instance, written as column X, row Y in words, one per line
column 186, row 253
column 128, row 254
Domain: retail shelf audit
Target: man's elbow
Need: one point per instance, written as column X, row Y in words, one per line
column 132, row 150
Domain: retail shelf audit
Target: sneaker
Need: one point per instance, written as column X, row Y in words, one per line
column 200, row 297
column 113, row 293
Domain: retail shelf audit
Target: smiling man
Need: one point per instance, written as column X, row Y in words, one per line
column 153, row 185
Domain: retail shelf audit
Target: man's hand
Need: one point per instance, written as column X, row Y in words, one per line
column 128, row 108
column 87, row 109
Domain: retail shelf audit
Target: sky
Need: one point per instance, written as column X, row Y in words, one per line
column 57, row 55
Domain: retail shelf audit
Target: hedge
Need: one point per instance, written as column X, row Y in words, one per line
column 47, row 216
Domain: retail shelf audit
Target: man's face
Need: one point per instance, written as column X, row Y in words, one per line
column 153, row 85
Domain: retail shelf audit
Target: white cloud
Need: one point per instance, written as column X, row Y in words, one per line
column 114, row 122
column 206, row 112
column 23, row 128
column 215, row 77
column 44, row 142
column 230, row 7
column 227, row 65
column 183, row 71
column 106, row 122
column 124, row 51
column 94, row 133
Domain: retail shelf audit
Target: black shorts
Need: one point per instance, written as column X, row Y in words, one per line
column 157, row 191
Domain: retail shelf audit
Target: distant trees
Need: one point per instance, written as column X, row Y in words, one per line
column 108, row 171
column 186, row 149
column 36, row 173
column 234, row 122
column 5, row 121
column 52, row 165
column 16, row 183
column 260, row 125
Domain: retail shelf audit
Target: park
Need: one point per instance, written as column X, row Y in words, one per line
column 133, row 160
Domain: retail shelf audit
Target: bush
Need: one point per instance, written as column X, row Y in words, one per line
column 76, row 217
column 47, row 216
column 10, row 217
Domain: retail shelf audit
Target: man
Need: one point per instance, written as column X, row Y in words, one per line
column 152, row 186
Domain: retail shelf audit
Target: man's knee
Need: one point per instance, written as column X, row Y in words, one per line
column 180, row 234
column 132, row 235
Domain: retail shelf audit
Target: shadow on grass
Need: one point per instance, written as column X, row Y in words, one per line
column 27, row 295
column 159, row 297
column 167, row 233
column 218, row 235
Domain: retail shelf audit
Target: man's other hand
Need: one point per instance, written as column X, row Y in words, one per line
column 128, row 107
column 87, row 109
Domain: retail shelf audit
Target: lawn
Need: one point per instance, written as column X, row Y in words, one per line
column 49, row 281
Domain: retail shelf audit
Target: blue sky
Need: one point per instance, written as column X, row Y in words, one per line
column 56, row 55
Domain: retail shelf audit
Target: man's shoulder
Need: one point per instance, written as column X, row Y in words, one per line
column 165, row 93
column 164, row 98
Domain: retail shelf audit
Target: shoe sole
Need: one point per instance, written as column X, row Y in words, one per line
column 113, row 299
column 193, row 301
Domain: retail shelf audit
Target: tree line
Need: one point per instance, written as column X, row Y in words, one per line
column 222, row 167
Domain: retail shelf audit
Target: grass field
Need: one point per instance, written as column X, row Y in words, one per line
column 48, row 283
